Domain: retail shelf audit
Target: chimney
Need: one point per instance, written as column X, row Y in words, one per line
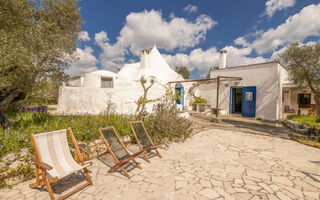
column 144, row 55
column 223, row 59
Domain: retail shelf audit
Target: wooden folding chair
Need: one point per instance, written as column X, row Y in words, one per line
column 117, row 149
column 143, row 139
column 54, row 160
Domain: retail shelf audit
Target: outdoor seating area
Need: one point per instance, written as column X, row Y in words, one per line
column 221, row 163
column 54, row 162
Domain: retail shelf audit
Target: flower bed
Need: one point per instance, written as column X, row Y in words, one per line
column 16, row 150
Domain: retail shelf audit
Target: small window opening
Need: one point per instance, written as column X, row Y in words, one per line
column 106, row 82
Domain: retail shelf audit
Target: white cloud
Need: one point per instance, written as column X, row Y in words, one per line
column 86, row 62
column 272, row 6
column 142, row 29
column 204, row 60
column 298, row 27
column 190, row 8
column 241, row 41
column 83, row 36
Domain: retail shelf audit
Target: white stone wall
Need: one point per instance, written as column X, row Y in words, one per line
column 91, row 100
column 265, row 77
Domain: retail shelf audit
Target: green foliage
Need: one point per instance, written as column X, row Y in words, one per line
column 305, row 141
column 85, row 128
column 165, row 122
column 183, row 71
column 309, row 120
column 197, row 100
column 303, row 65
column 38, row 39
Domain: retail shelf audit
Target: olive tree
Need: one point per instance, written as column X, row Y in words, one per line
column 183, row 71
column 302, row 62
column 37, row 39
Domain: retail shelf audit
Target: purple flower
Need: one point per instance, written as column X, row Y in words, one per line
column 26, row 140
column 1, row 146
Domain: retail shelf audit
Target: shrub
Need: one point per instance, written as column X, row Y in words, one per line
column 85, row 128
column 165, row 122
column 197, row 100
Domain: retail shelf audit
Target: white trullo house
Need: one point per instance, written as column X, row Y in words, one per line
column 97, row 91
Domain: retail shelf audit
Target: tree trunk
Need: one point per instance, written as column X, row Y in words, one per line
column 4, row 103
column 3, row 118
column 317, row 100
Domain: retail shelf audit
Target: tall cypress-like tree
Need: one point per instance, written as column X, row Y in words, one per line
column 37, row 39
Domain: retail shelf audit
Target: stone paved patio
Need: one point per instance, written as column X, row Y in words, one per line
column 214, row 164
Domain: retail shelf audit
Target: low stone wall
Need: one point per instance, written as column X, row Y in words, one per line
column 302, row 129
column 11, row 165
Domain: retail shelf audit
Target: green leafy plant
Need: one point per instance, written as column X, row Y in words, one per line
column 197, row 100
column 165, row 122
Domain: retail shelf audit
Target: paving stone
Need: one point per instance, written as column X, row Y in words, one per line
column 223, row 193
column 282, row 180
column 242, row 196
column 304, row 185
column 181, row 184
column 257, row 174
column 188, row 171
column 240, row 190
column 252, row 187
column 312, row 195
column 272, row 197
column 205, row 183
column 238, row 181
column 282, row 196
column 216, row 183
column 209, row 193
column 266, row 187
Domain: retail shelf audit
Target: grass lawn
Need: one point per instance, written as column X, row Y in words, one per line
column 309, row 120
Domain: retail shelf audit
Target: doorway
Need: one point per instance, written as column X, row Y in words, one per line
column 243, row 101
column 236, row 100
column 180, row 91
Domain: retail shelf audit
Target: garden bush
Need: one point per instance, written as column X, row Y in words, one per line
column 163, row 123
column 165, row 120
column 197, row 100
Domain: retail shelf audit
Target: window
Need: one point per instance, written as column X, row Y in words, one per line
column 106, row 82
column 249, row 96
column 304, row 100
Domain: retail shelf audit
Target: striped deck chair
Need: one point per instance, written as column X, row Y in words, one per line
column 117, row 149
column 54, row 160
column 143, row 139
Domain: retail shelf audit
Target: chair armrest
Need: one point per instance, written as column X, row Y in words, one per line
column 42, row 164
column 86, row 151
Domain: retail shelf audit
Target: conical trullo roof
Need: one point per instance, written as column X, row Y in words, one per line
column 152, row 65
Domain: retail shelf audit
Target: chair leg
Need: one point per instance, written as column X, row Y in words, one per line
column 87, row 175
column 49, row 188
column 146, row 157
column 125, row 172
column 113, row 168
column 158, row 153
column 137, row 164
column 37, row 183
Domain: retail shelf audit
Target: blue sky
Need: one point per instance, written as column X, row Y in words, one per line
column 190, row 33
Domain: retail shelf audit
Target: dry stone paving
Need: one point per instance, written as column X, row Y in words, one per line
column 213, row 164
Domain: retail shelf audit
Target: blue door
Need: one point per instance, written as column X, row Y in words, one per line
column 249, row 101
column 180, row 91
